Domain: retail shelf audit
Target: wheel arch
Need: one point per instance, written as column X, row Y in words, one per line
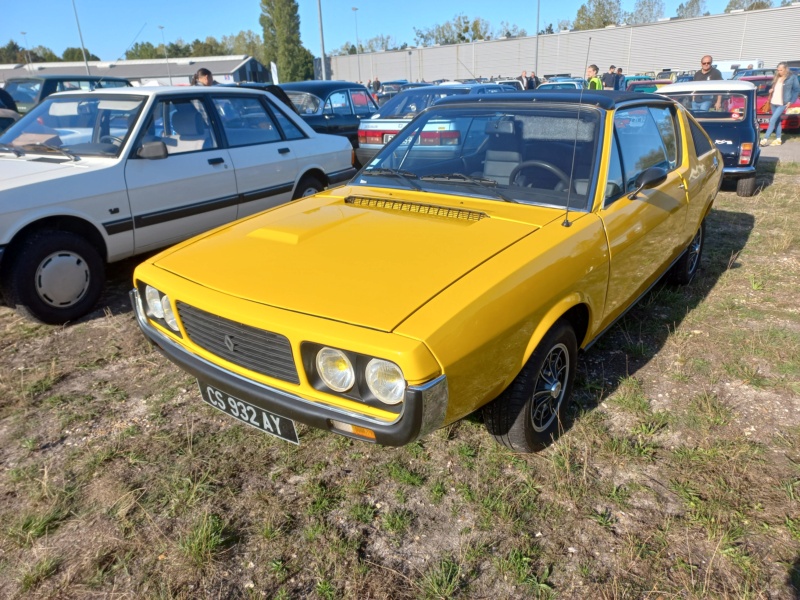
column 574, row 309
column 61, row 223
column 314, row 172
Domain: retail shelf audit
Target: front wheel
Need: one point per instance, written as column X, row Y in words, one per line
column 530, row 412
column 54, row 277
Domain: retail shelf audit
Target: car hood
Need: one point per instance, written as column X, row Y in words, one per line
column 371, row 260
column 34, row 168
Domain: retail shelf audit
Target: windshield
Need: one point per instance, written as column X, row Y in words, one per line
column 713, row 107
column 412, row 102
column 76, row 125
column 544, row 155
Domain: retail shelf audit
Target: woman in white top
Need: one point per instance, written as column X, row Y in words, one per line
column 785, row 89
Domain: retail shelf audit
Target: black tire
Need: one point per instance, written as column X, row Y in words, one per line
column 53, row 277
column 530, row 414
column 746, row 186
column 686, row 268
column 308, row 186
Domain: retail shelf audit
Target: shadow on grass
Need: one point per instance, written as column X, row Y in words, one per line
column 641, row 334
column 793, row 580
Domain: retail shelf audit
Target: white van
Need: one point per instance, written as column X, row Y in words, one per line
column 728, row 67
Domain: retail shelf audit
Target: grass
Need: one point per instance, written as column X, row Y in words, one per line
column 678, row 475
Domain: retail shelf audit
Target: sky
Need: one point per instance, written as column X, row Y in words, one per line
column 110, row 27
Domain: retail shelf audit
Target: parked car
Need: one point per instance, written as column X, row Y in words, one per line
column 627, row 79
column 335, row 107
column 462, row 269
column 392, row 86
column 94, row 177
column 648, row 86
column 727, row 111
column 383, row 97
column 273, row 89
column 747, row 73
column 790, row 119
column 30, row 91
column 515, row 83
column 393, row 116
column 559, row 85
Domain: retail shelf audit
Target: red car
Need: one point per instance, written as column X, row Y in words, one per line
column 789, row 120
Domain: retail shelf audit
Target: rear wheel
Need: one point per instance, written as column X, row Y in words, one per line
column 685, row 269
column 746, row 187
column 530, row 413
column 308, row 186
column 54, row 277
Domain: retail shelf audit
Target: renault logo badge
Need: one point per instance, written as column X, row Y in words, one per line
column 229, row 343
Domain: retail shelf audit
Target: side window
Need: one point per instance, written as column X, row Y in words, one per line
column 338, row 103
column 66, row 86
column 361, row 103
column 701, row 142
column 615, row 183
column 639, row 142
column 290, row 130
column 665, row 122
column 183, row 125
column 245, row 121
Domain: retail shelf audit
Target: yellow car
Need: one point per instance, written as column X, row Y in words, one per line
column 461, row 269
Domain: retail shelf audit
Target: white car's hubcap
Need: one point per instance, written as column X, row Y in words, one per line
column 62, row 279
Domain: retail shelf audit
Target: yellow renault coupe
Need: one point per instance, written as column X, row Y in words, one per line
column 461, row 269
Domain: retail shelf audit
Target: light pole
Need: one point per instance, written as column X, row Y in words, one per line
column 80, row 35
column 358, row 56
column 536, row 61
column 166, row 58
column 322, row 42
column 27, row 49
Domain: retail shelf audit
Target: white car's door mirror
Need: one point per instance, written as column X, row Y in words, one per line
column 152, row 150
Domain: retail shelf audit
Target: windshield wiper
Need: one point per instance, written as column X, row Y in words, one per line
column 52, row 148
column 13, row 149
column 489, row 184
column 406, row 176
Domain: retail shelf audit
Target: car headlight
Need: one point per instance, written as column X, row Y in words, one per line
column 385, row 380
column 154, row 306
column 335, row 369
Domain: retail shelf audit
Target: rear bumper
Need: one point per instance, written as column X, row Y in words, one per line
column 423, row 412
column 738, row 172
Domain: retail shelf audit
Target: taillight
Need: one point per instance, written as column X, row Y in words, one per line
column 376, row 136
column 440, row 138
column 745, row 153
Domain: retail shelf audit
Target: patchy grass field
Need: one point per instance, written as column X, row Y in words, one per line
column 679, row 478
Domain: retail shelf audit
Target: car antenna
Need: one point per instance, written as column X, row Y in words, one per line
column 567, row 222
column 99, row 81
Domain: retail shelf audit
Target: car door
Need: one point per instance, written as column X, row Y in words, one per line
column 191, row 190
column 645, row 232
column 338, row 114
column 261, row 149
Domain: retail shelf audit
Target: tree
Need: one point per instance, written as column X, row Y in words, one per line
column 458, row 31
column 43, row 54
column 281, row 24
column 208, row 47
column 547, row 30
column 747, row 5
column 646, row 11
column 691, row 9
column 12, row 53
column 143, row 50
column 245, row 42
column 73, row 54
column 596, row 14
column 510, row 31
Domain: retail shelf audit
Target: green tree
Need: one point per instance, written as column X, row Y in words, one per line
column 646, row 11
column 461, row 29
column 43, row 54
column 209, row 47
column 691, row 9
column 245, row 42
column 281, row 24
column 596, row 14
column 12, row 52
column 143, row 50
column 510, row 30
column 73, row 54
column 747, row 5
column 547, row 30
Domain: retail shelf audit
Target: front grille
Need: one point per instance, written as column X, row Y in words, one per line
column 254, row 349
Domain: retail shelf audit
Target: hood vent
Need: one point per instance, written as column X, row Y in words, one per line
column 414, row 207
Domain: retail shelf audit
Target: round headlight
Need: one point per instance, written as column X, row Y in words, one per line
column 154, row 306
column 169, row 314
column 386, row 381
column 335, row 369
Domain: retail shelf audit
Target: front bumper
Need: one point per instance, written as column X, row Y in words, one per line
column 423, row 412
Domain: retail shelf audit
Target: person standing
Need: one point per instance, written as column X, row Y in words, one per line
column 523, row 79
column 785, row 90
column 610, row 78
column 594, row 81
column 204, row 77
column 620, row 80
column 376, row 85
column 707, row 73
column 534, row 81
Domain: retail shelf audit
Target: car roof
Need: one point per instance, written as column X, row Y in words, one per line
column 606, row 99
column 320, row 86
column 70, row 77
column 729, row 85
column 159, row 90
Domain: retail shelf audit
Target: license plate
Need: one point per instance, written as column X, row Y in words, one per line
column 762, row 120
column 387, row 137
column 261, row 419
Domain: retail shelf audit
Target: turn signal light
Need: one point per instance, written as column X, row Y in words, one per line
column 361, row 432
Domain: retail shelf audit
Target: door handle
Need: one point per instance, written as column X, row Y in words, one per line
column 283, row 150
column 216, row 161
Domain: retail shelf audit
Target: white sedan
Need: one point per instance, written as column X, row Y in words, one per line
column 88, row 178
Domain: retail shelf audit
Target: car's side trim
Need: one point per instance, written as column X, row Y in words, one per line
column 344, row 175
column 170, row 214
column 118, row 226
column 266, row 192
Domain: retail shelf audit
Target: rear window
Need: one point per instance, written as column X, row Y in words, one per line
column 723, row 106
column 407, row 104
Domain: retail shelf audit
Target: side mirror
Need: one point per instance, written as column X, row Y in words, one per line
column 647, row 179
column 152, row 150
